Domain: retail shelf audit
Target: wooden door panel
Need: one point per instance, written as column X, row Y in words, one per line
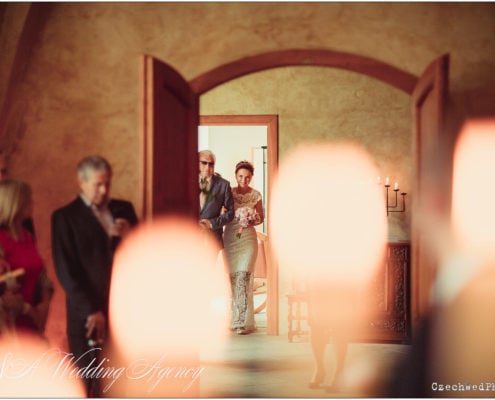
column 386, row 300
column 388, row 297
column 432, row 171
column 170, row 117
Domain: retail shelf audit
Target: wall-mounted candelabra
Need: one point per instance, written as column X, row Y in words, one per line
column 393, row 205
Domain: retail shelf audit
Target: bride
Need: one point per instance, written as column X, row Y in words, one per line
column 241, row 248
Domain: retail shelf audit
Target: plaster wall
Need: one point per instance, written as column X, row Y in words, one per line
column 80, row 91
column 12, row 19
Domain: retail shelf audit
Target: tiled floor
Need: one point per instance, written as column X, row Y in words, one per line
column 258, row 365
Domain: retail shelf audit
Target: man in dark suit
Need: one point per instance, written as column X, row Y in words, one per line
column 215, row 193
column 85, row 234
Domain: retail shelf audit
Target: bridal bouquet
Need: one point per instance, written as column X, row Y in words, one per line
column 245, row 216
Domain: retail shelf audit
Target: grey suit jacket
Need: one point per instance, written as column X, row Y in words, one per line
column 220, row 195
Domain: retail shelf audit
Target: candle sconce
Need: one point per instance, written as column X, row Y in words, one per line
column 393, row 207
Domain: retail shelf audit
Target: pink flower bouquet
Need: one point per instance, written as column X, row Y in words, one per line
column 245, row 216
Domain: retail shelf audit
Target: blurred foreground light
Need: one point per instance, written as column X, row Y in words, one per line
column 328, row 216
column 473, row 191
column 168, row 295
column 461, row 339
column 30, row 369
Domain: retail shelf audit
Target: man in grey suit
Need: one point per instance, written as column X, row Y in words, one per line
column 215, row 193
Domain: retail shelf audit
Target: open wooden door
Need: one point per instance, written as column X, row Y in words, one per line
column 169, row 134
column 431, row 200
column 169, row 151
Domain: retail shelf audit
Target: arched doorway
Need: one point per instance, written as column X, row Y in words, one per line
column 303, row 57
column 171, row 116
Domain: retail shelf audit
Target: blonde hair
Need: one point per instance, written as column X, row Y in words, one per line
column 14, row 196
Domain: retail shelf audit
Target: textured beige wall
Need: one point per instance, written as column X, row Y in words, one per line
column 80, row 93
column 11, row 23
column 329, row 104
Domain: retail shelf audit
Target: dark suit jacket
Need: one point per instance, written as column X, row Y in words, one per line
column 83, row 256
column 220, row 195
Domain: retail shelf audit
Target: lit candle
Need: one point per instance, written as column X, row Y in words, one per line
column 387, row 181
column 378, row 180
column 396, row 186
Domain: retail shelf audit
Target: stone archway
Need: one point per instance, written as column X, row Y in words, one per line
column 305, row 57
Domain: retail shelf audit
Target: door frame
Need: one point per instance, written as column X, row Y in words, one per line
column 433, row 148
column 271, row 123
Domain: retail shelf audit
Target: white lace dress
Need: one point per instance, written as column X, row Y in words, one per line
column 240, row 253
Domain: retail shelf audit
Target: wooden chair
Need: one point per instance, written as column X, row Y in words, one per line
column 298, row 310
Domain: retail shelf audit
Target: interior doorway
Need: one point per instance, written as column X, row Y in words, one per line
column 253, row 133
column 234, row 143
column 255, row 138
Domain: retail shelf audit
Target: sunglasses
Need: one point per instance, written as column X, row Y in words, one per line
column 211, row 164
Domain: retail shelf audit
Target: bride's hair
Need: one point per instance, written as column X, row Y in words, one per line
column 246, row 165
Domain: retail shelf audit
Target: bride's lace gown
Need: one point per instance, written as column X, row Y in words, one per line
column 241, row 257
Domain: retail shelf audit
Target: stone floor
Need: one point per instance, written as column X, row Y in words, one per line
column 259, row 365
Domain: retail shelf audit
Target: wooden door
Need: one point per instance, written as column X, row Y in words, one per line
column 169, row 145
column 169, row 135
column 431, row 197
